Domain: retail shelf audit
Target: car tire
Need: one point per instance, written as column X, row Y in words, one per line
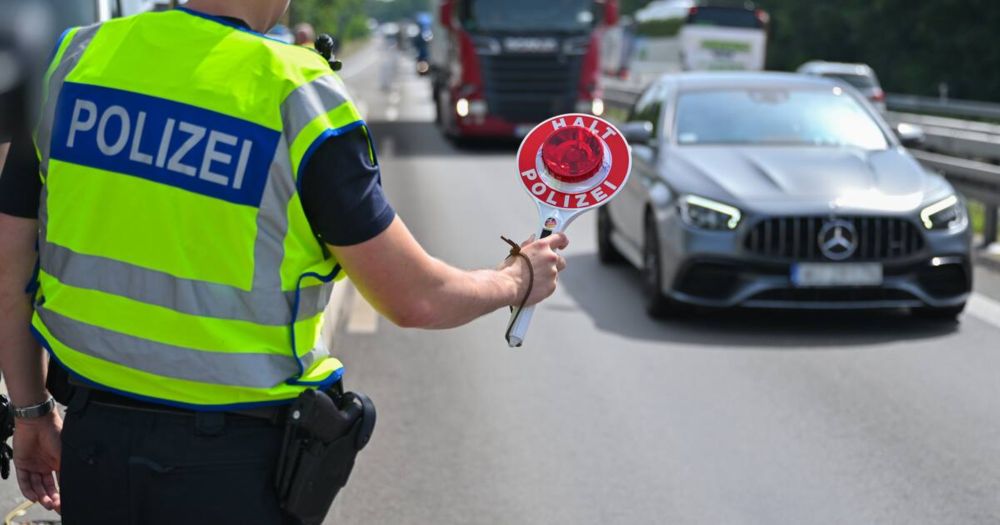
column 948, row 313
column 460, row 142
column 658, row 306
column 606, row 251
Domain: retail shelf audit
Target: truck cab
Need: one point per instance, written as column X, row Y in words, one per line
column 502, row 66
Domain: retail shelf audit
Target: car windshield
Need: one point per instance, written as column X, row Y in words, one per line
column 799, row 117
column 530, row 15
column 858, row 81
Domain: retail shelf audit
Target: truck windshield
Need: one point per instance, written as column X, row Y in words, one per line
column 725, row 17
column 529, row 15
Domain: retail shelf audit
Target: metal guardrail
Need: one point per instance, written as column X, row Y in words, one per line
column 961, row 138
column 979, row 181
column 959, row 146
column 954, row 108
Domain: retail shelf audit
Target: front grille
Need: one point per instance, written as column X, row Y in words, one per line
column 530, row 88
column 797, row 238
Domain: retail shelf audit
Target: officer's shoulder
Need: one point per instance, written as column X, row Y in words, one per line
column 298, row 59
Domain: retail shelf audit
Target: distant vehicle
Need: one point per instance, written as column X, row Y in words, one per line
column 670, row 36
column 281, row 33
column 501, row 66
column 392, row 33
column 640, row 50
column 776, row 190
column 724, row 38
column 858, row 76
column 422, row 42
column 617, row 48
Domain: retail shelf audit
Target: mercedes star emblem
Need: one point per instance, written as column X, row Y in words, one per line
column 838, row 240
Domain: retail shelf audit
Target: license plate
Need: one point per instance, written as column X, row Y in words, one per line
column 523, row 130
column 836, row 274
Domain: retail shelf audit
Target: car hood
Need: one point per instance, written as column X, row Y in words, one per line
column 789, row 178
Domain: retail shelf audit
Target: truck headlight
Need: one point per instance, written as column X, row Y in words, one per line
column 708, row 214
column 594, row 107
column 462, row 107
column 946, row 214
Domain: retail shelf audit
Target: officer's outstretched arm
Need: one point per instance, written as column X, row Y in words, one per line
column 412, row 289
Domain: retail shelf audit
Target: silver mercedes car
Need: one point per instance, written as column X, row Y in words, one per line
column 773, row 190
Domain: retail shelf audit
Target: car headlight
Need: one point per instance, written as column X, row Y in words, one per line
column 708, row 214
column 945, row 214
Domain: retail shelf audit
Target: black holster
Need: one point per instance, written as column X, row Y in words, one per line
column 323, row 434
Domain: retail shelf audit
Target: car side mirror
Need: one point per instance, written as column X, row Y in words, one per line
column 909, row 135
column 638, row 132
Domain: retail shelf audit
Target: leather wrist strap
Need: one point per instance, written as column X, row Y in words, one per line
column 515, row 251
column 35, row 411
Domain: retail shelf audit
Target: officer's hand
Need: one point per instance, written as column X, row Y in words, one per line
column 36, row 458
column 546, row 264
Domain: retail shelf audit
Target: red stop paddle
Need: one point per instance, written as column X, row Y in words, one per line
column 569, row 164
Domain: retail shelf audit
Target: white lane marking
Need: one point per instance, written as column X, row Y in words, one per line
column 363, row 318
column 371, row 58
column 388, row 149
column 984, row 308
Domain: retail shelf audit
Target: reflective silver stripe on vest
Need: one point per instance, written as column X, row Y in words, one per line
column 272, row 229
column 74, row 50
column 220, row 368
column 309, row 101
column 203, row 299
column 272, row 222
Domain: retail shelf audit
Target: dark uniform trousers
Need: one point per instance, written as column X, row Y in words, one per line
column 123, row 466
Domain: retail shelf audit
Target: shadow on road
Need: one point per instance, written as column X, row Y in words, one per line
column 424, row 139
column 612, row 298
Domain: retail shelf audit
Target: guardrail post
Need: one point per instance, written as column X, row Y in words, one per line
column 990, row 225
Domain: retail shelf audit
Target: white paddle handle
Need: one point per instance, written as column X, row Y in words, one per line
column 520, row 320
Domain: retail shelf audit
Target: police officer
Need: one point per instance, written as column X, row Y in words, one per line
column 193, row 188
column 305, row 35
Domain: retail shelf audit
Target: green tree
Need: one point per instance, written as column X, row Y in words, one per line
column 345, row 19
column 912, row 45
column 393, row 10
column 628, row 7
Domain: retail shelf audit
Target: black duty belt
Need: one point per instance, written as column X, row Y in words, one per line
column 274, row 414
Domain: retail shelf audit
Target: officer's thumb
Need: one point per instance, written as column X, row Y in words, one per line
column 558, row 241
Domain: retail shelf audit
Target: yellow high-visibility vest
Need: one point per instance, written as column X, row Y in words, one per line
column 176, row 261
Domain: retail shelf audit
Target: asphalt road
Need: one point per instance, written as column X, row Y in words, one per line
column 606, row 416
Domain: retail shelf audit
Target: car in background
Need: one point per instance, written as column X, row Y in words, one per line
column 777, row 190
column 859, row 76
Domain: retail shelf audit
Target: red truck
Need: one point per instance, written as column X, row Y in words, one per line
column 499, row 67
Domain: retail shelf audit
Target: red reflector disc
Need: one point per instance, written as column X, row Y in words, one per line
column 572, row 154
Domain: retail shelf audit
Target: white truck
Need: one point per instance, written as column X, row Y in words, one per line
column 669, row 36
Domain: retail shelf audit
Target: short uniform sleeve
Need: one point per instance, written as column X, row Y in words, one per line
column 341, row 190
column 20, row 183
